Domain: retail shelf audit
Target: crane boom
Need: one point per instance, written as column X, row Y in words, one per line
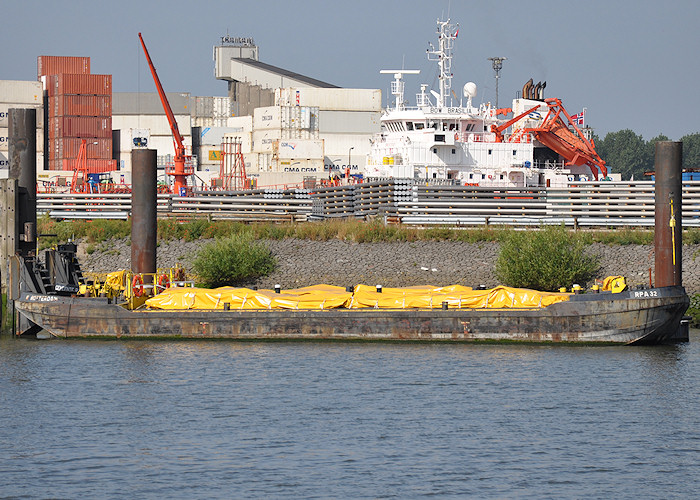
column 178, row 172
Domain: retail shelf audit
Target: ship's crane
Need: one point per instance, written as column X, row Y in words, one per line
column 179, row 171
column 560, row 134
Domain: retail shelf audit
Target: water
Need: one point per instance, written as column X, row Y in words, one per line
column 145, row 419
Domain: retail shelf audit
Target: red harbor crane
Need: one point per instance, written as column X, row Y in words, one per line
column 179, row 170
column 560, row 134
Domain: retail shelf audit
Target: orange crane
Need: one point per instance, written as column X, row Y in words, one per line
column 180, row 170
column 560, row 134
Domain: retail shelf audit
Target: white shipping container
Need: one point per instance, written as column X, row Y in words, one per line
column 243, row 122
column 4, row 159
column 330, row 98
column 269, row 117
column 6, row 106
column 5, row 139
column 157, row 124
column 285, row 117
column 265, row 140
column 300, row 149
column 139, row 138
column 215, row 135
column 349, row 122
column 24, row 92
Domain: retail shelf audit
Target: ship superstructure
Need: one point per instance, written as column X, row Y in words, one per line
column 460, row 142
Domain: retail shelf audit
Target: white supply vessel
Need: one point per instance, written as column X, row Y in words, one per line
column 437, row 139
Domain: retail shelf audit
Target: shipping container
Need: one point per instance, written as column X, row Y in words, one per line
column 333, row 99
column 265, row 140
column 349, row 122
column 93, row 166
column 156, row 124
column 300, row 149
column 148, row 103
column 5, row 139
column 80, row 105
column 215, row 135
column 285, row 117
column 68, row 147
column 6, row 107
column 66, row 83
column 21, row 92
column 53, row 65
column 243, row 122
column 80, row 126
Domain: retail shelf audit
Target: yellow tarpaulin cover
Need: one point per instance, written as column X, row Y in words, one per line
column 311, row 297
column 115, row 280
column 364, row 296
column 456, row 296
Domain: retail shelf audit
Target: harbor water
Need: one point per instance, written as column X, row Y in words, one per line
column 198, row 419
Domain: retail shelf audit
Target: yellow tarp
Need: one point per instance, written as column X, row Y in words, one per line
column 456, row 296
column 311, row 297
column 364, row 296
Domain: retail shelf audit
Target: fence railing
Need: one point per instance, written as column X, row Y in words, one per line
column 611, row 204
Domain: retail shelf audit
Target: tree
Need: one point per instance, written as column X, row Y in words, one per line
column 625, row 152
column 691, row 150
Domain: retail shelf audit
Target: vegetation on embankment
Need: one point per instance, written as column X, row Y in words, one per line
column 232, row 260
column 545, row 259
column 347, row 230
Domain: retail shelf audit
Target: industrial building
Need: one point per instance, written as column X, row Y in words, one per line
column 287, row 127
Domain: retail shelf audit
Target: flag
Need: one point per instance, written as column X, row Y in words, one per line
column 579, row 118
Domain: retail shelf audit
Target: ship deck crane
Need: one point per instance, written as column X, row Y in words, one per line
column 560, row 134
column 180, row 170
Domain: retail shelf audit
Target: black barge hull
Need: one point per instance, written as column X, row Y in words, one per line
column 650, row 316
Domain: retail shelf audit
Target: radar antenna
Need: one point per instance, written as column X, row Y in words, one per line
column 397, row 86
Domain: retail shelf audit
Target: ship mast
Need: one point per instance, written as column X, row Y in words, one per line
column 447, row 33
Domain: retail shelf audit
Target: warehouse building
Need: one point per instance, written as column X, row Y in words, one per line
column 289, row 127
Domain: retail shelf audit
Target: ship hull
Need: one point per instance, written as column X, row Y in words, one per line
column 632, row 317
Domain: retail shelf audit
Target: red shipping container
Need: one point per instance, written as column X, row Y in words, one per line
column 53, row 65
column 68, row 147
column 78, row 84
column 80, row 105
column 80, row 126
column 93, row 166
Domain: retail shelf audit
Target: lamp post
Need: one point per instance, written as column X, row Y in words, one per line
column 497, row 63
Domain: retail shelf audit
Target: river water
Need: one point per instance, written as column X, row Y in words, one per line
column 143, row 419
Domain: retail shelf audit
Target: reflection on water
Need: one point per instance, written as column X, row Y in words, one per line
column 244, row 419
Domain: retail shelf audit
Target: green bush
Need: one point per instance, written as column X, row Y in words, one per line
column 233, row 260
column 544, row 260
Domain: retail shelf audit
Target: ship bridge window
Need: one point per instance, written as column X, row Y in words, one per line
column 469, row 127
column 409, row 125
column 435, row 150
column 490, row 151
column 419, row 126
column 514, row 152
column 454, row 150
column 439, row 137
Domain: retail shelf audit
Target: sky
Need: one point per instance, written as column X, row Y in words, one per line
column 632, row 64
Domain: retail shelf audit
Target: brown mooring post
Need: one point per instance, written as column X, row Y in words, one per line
column 668, row 233
column 144, row 198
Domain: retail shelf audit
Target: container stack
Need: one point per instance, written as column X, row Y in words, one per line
column 78, row 106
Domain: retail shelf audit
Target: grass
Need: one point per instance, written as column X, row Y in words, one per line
column 359, row 231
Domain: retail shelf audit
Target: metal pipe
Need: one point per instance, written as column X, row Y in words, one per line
column 22, row 152
column 668, row 233
column 144, row 195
